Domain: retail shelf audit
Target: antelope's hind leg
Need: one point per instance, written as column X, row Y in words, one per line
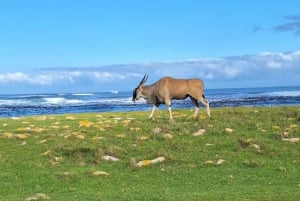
column 168, row 104
column 196, row 104
column 206, row 104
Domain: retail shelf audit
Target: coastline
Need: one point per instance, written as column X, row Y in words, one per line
column 57, row 103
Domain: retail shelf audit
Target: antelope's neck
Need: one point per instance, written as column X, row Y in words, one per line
column 146, row 91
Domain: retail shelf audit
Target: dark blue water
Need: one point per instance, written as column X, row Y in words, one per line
column 40, row 104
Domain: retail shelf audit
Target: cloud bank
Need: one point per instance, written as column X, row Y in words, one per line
column 263, row 69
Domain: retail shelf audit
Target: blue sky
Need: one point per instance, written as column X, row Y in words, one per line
column 101, row 45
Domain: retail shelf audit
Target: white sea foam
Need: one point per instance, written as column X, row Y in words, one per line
column 281, row 93
column 74, row 101
column 114, row 92
column 54, row 101
column 83, row 94
column 61, row 101
column 116, row 100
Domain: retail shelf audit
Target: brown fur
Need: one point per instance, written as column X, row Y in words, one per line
column 167, row 88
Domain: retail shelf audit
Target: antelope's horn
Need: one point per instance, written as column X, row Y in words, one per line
column 143, row 80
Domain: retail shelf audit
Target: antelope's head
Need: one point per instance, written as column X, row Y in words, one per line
column 137, row 92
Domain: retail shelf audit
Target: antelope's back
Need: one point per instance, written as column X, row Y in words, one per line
column 181, row 87
column 194, row 82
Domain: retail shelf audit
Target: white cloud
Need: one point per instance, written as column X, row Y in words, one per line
column 237, row 71
column 19, row 77
column 274, row 64
column 14, row 77
column 106, row 76
column 76, row 73
column 41, row 79
column 231, row 72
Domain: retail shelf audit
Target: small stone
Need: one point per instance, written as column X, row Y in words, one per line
column 110, row 158
column 99, row 173
column 143, row 163
column 158, row 159
column 149, row 162
column 120, row 136
column 220, row 161
column 80, row 136
column 199, row 132
column 156, row 130
column 143, row 137
column 228, row 130
column 42, row 141
column 295, row 139
column 255, row 146
column 168, row 136
column 38, row 196
column 208, row 162
column 21, row 136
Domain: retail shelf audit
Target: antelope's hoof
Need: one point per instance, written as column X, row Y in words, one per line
column 191, row 117
column 151, row 118
column 171, row 120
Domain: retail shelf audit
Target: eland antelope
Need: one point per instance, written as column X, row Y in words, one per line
column 166, row 89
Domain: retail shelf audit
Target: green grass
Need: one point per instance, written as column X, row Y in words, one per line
column 57, row 155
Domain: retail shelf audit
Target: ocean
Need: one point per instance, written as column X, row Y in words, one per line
column 13, row 105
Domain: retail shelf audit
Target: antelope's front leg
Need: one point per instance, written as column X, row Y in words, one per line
column 152, row 111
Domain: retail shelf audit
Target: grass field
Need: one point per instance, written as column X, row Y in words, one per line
column 237, row 154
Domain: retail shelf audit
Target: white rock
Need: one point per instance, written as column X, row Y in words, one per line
column 295, row 139
column 199, row 132
column 110, row 158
